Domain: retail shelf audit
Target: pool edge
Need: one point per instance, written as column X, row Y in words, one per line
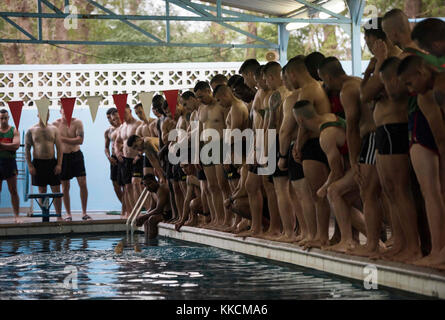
column 394, row 275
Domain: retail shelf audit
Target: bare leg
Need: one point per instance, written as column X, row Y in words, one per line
column 275, row 226
column 66, row 196
column 225, row 188
column 12, row 186
column 316, row 174
column 83, row 193
column 395, row 177
column 117, row 190
column 216, row 195
column 253, row 188
column 426, row 166
column 372, row 210
column 303, row 194
column 342, row 211
column 282, row 185
column 57, row 202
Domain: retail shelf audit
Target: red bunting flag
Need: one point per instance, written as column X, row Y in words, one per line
column 120, row 100
column 68, row 107
column 172, row 99
column 16, row 111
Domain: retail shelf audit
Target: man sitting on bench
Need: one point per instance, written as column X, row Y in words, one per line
column 45, row 168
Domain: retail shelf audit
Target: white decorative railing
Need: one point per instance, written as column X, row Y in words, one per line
column 32, row 82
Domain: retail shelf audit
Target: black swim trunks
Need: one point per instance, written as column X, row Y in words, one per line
column 312, row 151
column 278, row 172
column 201, row 175
column 114, row 170
column 179, row 174
column 294, row 168
column 45, row 173
column 232, row 173
column 392, row 139
column 73, row 165
column 147, row 163
column 126, row 170
column 138, row 168
column 368, row 149
column 8, row 168
column 420, row 131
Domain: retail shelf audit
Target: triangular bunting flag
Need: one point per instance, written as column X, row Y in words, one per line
column 120, row 100
column 42, row 107
column 16, row 111
column 146, row 99
column 68, row 107
column 172, row 98
column 93, row 103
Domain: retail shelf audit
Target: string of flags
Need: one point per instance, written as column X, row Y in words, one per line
column 120, row 100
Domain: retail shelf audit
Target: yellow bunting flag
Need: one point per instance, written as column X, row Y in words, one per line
column 93, row 103
column 42, row 107
column 146, row 99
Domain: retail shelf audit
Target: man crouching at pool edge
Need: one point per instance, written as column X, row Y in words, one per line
column 161, row 212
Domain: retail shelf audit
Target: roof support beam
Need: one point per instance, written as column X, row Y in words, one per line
column 52, row 6
column 356, row 8
column 170, row 18
column 320, row 8
column 19, row 28
column 167, row 22
column 39, row 26
column 134, row 43
column 195, row 7
column 283, row 39
column 132, row 25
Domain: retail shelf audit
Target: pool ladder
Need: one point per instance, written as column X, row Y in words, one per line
column 131, row 220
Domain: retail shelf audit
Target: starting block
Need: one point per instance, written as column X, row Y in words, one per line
column 45, row 204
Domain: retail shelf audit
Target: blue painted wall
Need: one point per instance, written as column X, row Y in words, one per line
column 101, row 193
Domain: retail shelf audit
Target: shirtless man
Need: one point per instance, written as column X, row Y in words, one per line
column 189, row 101
column 9, row 143
column 397, row 28
column 160, row 213
column 44, row 168
column 143, row 167
column 303, row 206
column 237, row 118
column 218, row 80
column 247, row 70
column 129, row 158
column 212, row 116
column 110, row 135
column 340, row 187
column 272, row 75
column 391, row 119
column 73, row 164
column 427, row 147
column 308, row 149
column 360, row 134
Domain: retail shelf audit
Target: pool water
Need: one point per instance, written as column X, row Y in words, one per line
column 87, row 267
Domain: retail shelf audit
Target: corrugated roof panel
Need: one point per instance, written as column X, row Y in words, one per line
column 270, row 7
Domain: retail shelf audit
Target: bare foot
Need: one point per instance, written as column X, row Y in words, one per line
column 287, row 239
column 364, row 251
column 429, row 261
column 408, row 255
column 316, row 243
column 18, row 220
column 342, row 246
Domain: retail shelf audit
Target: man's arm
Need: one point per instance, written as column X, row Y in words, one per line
column 15, row 142
column 162, row 200
column 439, row 90
column 274, row 104
column 107, row 144
column 372, row 86
column 436, row 121
column 28, row 145
column 78, row 140
column 288, row 126
column 152, row 155
column 58, row 144
column 350, row 99
column 118, row 145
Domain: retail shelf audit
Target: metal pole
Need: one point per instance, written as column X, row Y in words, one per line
column 283, row 41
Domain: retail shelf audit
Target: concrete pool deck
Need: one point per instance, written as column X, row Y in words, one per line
column 101, row 222
column 419, row 280
column 425, row 281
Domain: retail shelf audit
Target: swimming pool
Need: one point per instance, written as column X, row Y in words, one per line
column 45, row 267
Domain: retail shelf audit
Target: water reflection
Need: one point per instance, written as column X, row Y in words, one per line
column 160, row 269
